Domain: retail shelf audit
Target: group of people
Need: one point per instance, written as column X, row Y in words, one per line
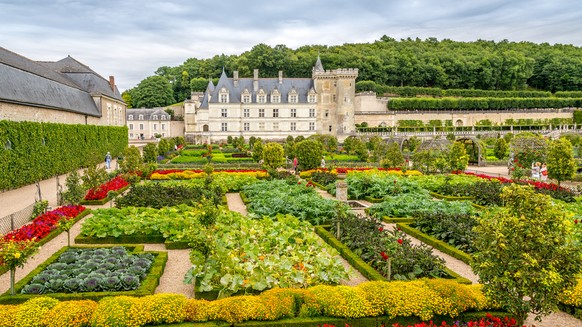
column 539, row 171
column 295, row 163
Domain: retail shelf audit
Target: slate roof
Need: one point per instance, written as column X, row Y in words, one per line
column 147, row 113
column 27, row 82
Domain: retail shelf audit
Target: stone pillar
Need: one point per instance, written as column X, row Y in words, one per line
column 341, row 190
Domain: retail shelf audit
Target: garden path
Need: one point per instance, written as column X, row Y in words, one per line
column 235, row 203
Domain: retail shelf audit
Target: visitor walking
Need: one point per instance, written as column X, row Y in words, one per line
column 322, row 162
column 544, row 172
column 295, row 165
column 108, row 160
column 535, row 170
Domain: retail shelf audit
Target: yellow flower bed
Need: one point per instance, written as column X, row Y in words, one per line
column 189, row 174
column 423, row 298
column 573, row 297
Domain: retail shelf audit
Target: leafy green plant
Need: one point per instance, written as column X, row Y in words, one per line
column 455, row 229
column 75, row 191
column 409, row 204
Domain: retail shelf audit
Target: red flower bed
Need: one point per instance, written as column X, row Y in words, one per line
column 346, row 170
column 44, row 224
column 101, row 193
column 489, row 321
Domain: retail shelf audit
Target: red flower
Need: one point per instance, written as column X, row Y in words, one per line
column 575, row 221
column 381, row 228
column 399, row 241
column 101, row 192
column 384, row 255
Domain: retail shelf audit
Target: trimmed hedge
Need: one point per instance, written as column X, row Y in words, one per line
column 435, row 243
column 451, row 197
column 31, row 151
column 147, row 287
column 481, row 103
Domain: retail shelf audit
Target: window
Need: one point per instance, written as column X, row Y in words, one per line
column 293, row 126
column 334, row 98
column 311, row 98
column 131, row 135
column 311, row 126
column 163, row 127
column 163, row 117
column 155, row 117
column 327, row 113
column 261, row 126
column 140, row 117
column 261, row 99
column 130, row 117
column 293, row 112
column 275, row 112
column 311, row 112
column 276, row 126
column 261, row 112
column 276, row 98
column 130, row 126
column 292, row 99
column 223, row 127
column 246, row 127
column 155, row 127
column 330, row 128
column 246, row 113
column 246, row 99
column 141, row 127
column 223, row 112
column 223, row 98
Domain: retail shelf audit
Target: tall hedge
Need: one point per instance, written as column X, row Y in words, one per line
column 32, row 151
column 481, row 103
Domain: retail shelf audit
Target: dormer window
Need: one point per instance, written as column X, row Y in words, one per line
column 163, row 117
column 246, row 96
column 293, row 97
column 261, row 97
column 275, row 96
column 155, row 117
column 140, row 117
column 223, row 96
column 130, row 117
column 311, row 98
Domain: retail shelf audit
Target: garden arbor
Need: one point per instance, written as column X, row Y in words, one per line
column 474, row 149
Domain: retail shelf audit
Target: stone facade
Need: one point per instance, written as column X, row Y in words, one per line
column 144, row 124
column 273, row 108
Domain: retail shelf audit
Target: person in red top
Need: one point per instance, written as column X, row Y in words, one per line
column 295, row 165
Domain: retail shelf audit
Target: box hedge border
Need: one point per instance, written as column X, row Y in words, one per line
column 54, row 233
column 360, row 265
column 147, row 287
column 435, row 243
column 42, row 150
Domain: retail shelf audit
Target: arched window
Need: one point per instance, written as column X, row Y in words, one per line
column 459, row 123
column 205, row 128
column 155, row 117
column 130, row 117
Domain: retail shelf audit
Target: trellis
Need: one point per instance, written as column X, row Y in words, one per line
column 473, row 146
column 527, row 150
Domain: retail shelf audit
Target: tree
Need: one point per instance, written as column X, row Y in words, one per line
column 258, row 150
column 150, row 152
column 132, row 161
column 198, row 84
column 273, row 156
column 164, row 147
column 361, row 151
column 75, row 191
column 309, row 154
column 458, row 158
column 525, row 249
column 561, row 163
column 501, row 147
column 154, row 91
column 393, row 157
column 126, row 95
column 350, row 143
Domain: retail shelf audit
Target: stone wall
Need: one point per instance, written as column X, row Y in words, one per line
column 16, row 112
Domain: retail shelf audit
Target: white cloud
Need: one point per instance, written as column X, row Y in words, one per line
column 132, row 38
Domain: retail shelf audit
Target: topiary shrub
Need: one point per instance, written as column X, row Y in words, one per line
column 309, row 154
column 273, row 156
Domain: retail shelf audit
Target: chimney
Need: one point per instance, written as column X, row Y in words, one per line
column 256, row 80
column 112, row 83
column 280, row 77
column 235, row 78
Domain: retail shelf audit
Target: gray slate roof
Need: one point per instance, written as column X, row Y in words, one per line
column 147, row 113
column 27, row 82
column 301, row 85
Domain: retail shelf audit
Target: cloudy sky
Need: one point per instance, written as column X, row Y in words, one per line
column 130, row 39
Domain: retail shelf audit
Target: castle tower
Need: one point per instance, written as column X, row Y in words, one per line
column 336, row 99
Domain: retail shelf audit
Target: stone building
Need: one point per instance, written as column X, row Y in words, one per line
column 273, row 108
column 65, row 91
column 144, row 124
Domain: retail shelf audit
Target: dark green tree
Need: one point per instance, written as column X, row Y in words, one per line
column 154, row 91
column 150, row 152
column 309, row 154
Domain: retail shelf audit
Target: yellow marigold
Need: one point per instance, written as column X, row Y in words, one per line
column 279, row 303
column 237, row 309
column 412, row 173
column 8, row 315
column 342, row 301
column 159, row 176
column 32, row 312
column 113, row 311
column 160, row 308
column 573, row 296
column 456, row 298
column 197, row 310
column 411, row 298
column 71, row 314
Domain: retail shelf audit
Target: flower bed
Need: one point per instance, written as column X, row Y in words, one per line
column 369, row 304
column 42, row 225
column 116, row 184
column 198, row 173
